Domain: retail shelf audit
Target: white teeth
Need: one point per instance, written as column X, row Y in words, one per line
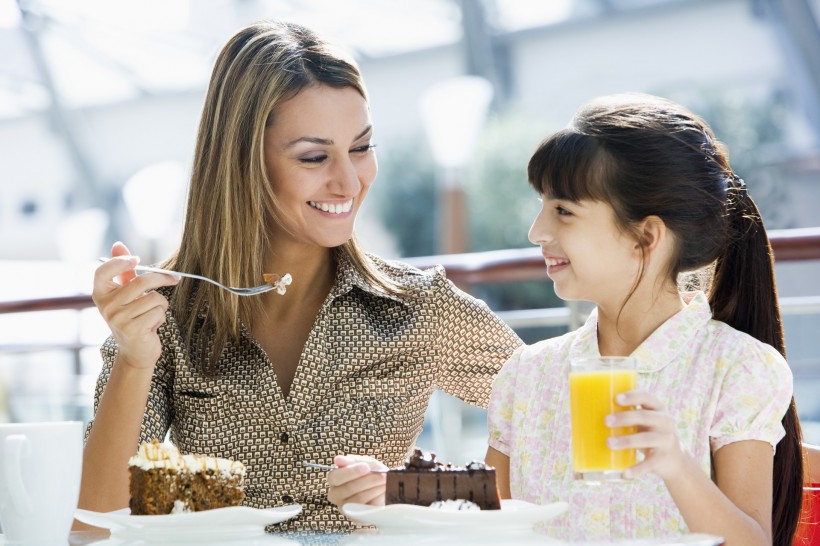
column 556, row 261
column 333, row 208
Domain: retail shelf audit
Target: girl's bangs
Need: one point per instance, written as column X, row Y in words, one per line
column 569, row 166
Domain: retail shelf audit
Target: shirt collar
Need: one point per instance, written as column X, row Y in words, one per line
column 663, row 345
column 348, row 277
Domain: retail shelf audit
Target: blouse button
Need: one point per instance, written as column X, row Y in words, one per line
column 287, row 498
column 284, row 437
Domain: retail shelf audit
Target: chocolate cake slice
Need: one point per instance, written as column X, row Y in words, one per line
column 423, row 480
column 163, row 481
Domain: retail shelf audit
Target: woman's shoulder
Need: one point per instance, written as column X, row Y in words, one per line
column 405, row 274
column 546, row 351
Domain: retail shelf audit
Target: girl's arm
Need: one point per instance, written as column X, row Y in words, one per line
column 502, row 471
column 737, row 506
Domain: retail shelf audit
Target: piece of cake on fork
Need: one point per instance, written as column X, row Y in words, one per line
column 163, row 481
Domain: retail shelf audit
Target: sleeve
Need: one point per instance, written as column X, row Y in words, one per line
column 502, row 401
column 157, row 417
column 473, row 342
column 755, row 394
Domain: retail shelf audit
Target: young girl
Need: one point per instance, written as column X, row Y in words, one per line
column 635, row 192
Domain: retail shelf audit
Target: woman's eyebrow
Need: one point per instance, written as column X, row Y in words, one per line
column 324, row 141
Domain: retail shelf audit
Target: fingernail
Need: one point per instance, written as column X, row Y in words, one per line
column 620, row 398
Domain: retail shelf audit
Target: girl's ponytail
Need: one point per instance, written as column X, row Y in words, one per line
column 744, row 296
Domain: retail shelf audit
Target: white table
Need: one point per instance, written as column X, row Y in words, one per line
column 102, row 538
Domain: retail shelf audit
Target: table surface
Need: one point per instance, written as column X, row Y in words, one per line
column 372, row 537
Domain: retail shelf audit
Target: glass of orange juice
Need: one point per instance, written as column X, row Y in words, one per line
column 593, row 385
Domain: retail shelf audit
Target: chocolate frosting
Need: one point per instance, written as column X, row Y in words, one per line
column 421, row 460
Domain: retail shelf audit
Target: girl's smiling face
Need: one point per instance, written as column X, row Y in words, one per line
column 320, row 161
column 588, row 257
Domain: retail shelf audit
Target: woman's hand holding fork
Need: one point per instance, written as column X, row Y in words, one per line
column 131, row 307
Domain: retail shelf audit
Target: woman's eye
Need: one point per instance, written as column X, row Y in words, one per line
column 313, row 159
column 362, row 149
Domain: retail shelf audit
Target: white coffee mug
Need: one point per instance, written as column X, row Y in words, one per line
column 40, row 467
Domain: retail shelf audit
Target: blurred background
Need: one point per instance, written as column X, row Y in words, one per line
column 99, row 105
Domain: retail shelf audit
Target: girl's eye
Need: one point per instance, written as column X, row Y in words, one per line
column 562, row 211
column 313, row 159
column 364, row 149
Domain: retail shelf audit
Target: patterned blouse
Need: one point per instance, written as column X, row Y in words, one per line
column 721, row 385
column 362, row 386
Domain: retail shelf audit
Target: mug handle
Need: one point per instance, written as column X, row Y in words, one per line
column 15, row 444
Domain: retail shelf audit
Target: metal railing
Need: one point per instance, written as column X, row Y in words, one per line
column 497, row 266
column 467, row 271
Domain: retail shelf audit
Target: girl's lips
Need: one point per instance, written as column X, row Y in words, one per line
column 555, row 263
column 552, row 269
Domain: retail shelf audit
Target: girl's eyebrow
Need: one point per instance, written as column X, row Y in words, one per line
column 324, row 141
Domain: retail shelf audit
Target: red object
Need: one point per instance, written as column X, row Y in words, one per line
column 808, row 530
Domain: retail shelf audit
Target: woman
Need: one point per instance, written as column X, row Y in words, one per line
column 344, row 362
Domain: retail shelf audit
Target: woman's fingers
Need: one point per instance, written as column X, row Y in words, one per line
column 131, row 307
column 119, row 249
column 106, row 274
column 353, row 481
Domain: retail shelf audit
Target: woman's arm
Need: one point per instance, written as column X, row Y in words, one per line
column 502, row 471
column 134, row 311
column 737, row 506
column 113, row 439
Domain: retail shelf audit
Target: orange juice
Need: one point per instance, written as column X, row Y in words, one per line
column 592, row 397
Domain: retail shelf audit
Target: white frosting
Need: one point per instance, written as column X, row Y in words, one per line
column 455, row 505
column 180, row 507
column 163, row 455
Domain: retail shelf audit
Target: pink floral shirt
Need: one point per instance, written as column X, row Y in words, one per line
column 721, row 385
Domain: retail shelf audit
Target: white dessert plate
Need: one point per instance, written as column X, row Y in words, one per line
column 237, row 521
column 514, row 514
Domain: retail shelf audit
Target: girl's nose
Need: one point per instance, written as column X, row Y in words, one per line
column 540, row 231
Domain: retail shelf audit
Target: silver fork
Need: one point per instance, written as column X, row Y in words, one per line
column 334, row 467
column 280, row 286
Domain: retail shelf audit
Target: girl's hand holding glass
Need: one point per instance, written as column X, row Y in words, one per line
column 656, row 438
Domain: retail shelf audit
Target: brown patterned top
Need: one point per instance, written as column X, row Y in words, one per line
column 362, row 386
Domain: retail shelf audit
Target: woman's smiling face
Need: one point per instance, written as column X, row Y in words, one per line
column 320, row 162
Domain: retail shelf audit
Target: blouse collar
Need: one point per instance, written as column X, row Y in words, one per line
column 663, row 345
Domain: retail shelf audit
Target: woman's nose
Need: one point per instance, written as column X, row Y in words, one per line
column 345, row 178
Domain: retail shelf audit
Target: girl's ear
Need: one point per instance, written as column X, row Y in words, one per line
column 652, row 233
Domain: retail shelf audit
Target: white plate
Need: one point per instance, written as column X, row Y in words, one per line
column 514, row 515
column 234, row 521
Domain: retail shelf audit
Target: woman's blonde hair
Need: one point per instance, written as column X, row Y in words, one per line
column 231, row 204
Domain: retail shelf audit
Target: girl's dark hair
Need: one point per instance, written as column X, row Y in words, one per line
column 647, row 156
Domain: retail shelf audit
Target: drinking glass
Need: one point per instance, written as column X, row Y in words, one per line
column 40, row 467
column 593, row 385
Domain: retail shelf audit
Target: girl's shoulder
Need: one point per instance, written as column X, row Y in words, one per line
column 733, row 340
column 738, row 349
